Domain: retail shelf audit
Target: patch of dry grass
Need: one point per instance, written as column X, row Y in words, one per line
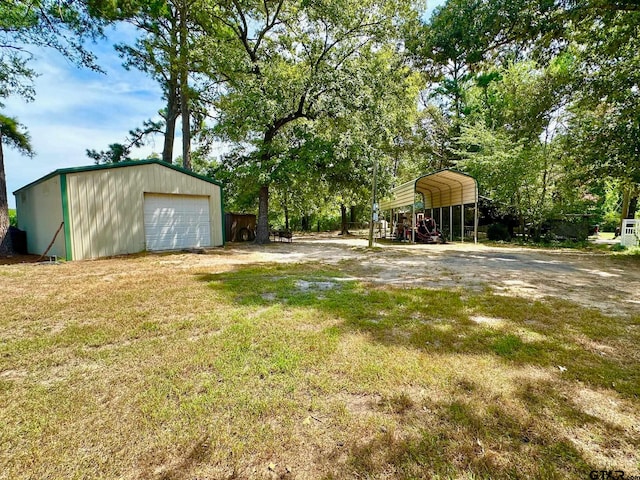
column 146, row 368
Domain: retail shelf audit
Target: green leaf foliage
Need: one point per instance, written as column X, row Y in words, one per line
column 11, row 135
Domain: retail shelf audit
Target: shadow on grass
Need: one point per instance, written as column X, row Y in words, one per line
column 521, row 332
column 470, row 445
column 582, row 345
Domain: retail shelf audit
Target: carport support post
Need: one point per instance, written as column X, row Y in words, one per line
column 475, row 222
column 373, row 200
column 462, row 223
column 451, row 222
column 413, row 221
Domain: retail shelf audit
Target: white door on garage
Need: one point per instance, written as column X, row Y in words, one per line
column 176, row 221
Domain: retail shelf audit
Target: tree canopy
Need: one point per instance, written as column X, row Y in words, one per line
column 537, row 98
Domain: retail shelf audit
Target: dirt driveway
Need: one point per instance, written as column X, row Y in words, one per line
column 599, row 280
column 607, row 282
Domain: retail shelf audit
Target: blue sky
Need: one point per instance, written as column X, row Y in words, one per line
column 76, row 109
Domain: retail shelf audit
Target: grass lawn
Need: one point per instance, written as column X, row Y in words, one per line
column 145, row 368
column 606, row 235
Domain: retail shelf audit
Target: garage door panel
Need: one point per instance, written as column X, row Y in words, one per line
column 176, row 221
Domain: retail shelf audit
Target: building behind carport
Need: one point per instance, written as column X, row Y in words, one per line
column 120, row 208
column 439, row 192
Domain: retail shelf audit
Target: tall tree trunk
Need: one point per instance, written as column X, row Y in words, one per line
column 345, row 224
column 262, row 230
column 184, row 89
column 457, row 99
column 626, row 200
column 396, row 164
column 633, row 206
column 5, row 239
column 286, row 212
column 171, row 117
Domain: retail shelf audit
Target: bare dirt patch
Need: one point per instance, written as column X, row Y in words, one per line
column 594, row 280
column 16, row 259
column 590, row 279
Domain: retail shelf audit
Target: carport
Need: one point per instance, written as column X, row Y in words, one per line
column 440, row 192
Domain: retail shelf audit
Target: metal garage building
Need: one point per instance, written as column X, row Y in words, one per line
column 120, row 208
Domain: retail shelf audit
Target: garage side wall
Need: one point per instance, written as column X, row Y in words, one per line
column 106, row 207
column 39, row 210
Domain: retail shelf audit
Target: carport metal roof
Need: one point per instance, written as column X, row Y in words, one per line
column 443, row 188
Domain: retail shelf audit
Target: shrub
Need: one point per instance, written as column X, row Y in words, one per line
column 610, row 223
column 575, row 228
column 498, row 232
column 13, row 218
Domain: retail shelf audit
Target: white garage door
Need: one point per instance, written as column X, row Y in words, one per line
column 176, row 221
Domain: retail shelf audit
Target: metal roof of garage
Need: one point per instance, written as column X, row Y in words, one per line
column 439, row 189
column 108, row 166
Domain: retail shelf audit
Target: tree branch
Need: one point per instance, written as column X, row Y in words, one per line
column 269, row 25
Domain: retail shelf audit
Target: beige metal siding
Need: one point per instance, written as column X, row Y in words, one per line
column 401, row 196
column 40, row 215
column 106, row 207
